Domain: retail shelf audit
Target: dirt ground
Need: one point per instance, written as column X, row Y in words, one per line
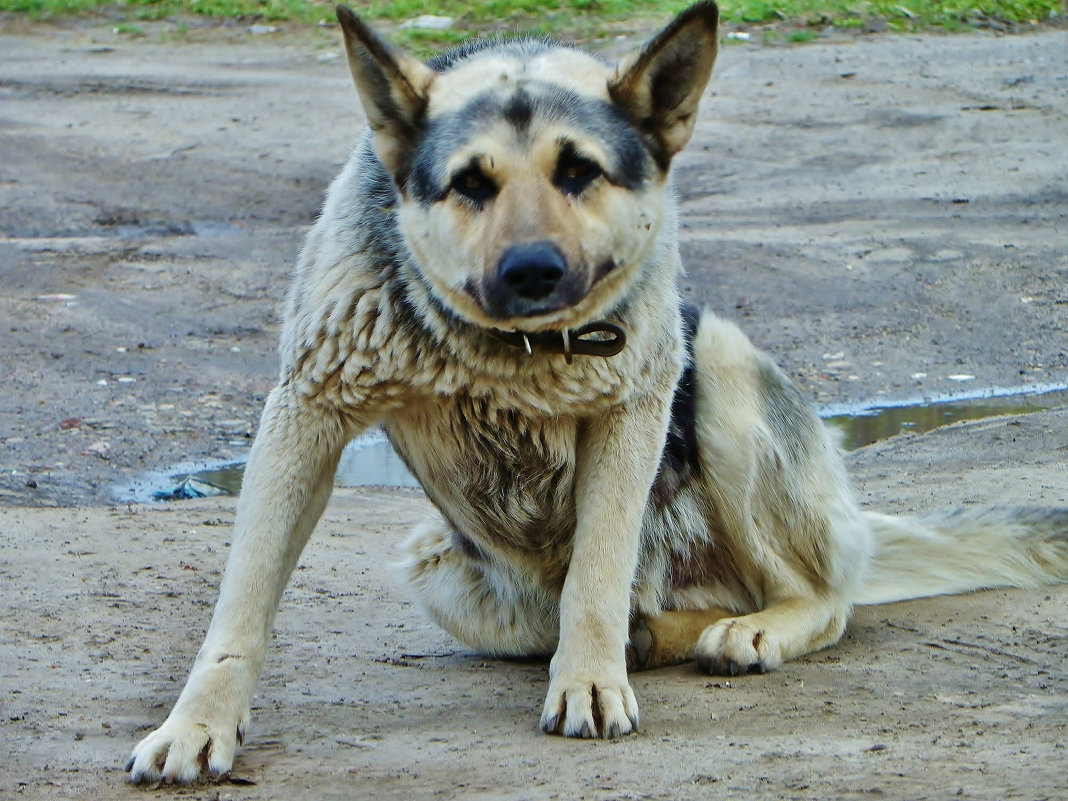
column 887, row 214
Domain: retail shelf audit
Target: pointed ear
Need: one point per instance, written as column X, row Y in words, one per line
column 660, row 87
column 393, row 88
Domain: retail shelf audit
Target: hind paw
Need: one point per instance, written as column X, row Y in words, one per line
column 734, row 647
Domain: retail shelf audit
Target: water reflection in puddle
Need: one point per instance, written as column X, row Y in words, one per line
column 864, row 425
column 371, row 461
column 367, row 461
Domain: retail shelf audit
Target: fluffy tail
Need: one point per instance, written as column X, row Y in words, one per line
column 965, row 550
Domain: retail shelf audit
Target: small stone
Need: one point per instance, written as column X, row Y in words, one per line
column 56, row 297
column 98, row 448
column 429, row 22
column 898, row 255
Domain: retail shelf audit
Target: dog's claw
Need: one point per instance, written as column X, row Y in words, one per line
column 550, row 724
column 731, row 667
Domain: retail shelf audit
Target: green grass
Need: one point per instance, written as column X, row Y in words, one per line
column 275, row 10
column 800, row 20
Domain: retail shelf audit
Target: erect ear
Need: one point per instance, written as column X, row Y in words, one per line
column 660, row 87
column 393, row 89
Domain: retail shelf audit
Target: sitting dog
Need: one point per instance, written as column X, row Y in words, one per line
column 620, row 481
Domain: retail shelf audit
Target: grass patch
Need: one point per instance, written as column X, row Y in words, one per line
column 901, row 14
column 299, row 11
column 580, row 19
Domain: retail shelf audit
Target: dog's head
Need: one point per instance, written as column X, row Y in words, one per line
column 532, row 176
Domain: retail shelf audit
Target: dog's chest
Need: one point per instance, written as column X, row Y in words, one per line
column 502, row 478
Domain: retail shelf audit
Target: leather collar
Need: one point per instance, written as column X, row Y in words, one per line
column 571, row 342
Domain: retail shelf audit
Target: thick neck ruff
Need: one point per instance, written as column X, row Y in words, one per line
column 569, row 343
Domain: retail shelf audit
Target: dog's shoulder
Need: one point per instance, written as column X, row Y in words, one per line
column 342, row 304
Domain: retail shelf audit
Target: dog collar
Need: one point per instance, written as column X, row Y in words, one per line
column 570, row 342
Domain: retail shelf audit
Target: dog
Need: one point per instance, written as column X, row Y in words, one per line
column 620, row 481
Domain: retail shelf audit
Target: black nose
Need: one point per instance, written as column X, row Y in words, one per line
column 531, row 272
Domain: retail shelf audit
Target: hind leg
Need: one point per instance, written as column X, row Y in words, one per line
column 728, row 644
column 791, row 544
column 763, row 640
column 493, row 610
column 668, row 638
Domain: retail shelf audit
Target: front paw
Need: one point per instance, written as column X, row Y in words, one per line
column 587, row 705
column 183, row 750
column 199, row 738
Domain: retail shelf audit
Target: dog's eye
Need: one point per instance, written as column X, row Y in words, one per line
column 473, row 185
column 574, row 173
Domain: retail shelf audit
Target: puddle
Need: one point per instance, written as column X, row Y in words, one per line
column 866, row 424
column 367, row 461
column 371, row 461
column 201, row 228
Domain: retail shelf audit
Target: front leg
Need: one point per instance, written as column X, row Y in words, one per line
column 286, row 486
column 618, row 452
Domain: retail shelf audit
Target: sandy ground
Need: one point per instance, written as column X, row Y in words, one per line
column 886, row 214
column 361, row 697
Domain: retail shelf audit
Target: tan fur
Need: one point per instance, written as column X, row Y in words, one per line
column 571, row 69
column 578, row 509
